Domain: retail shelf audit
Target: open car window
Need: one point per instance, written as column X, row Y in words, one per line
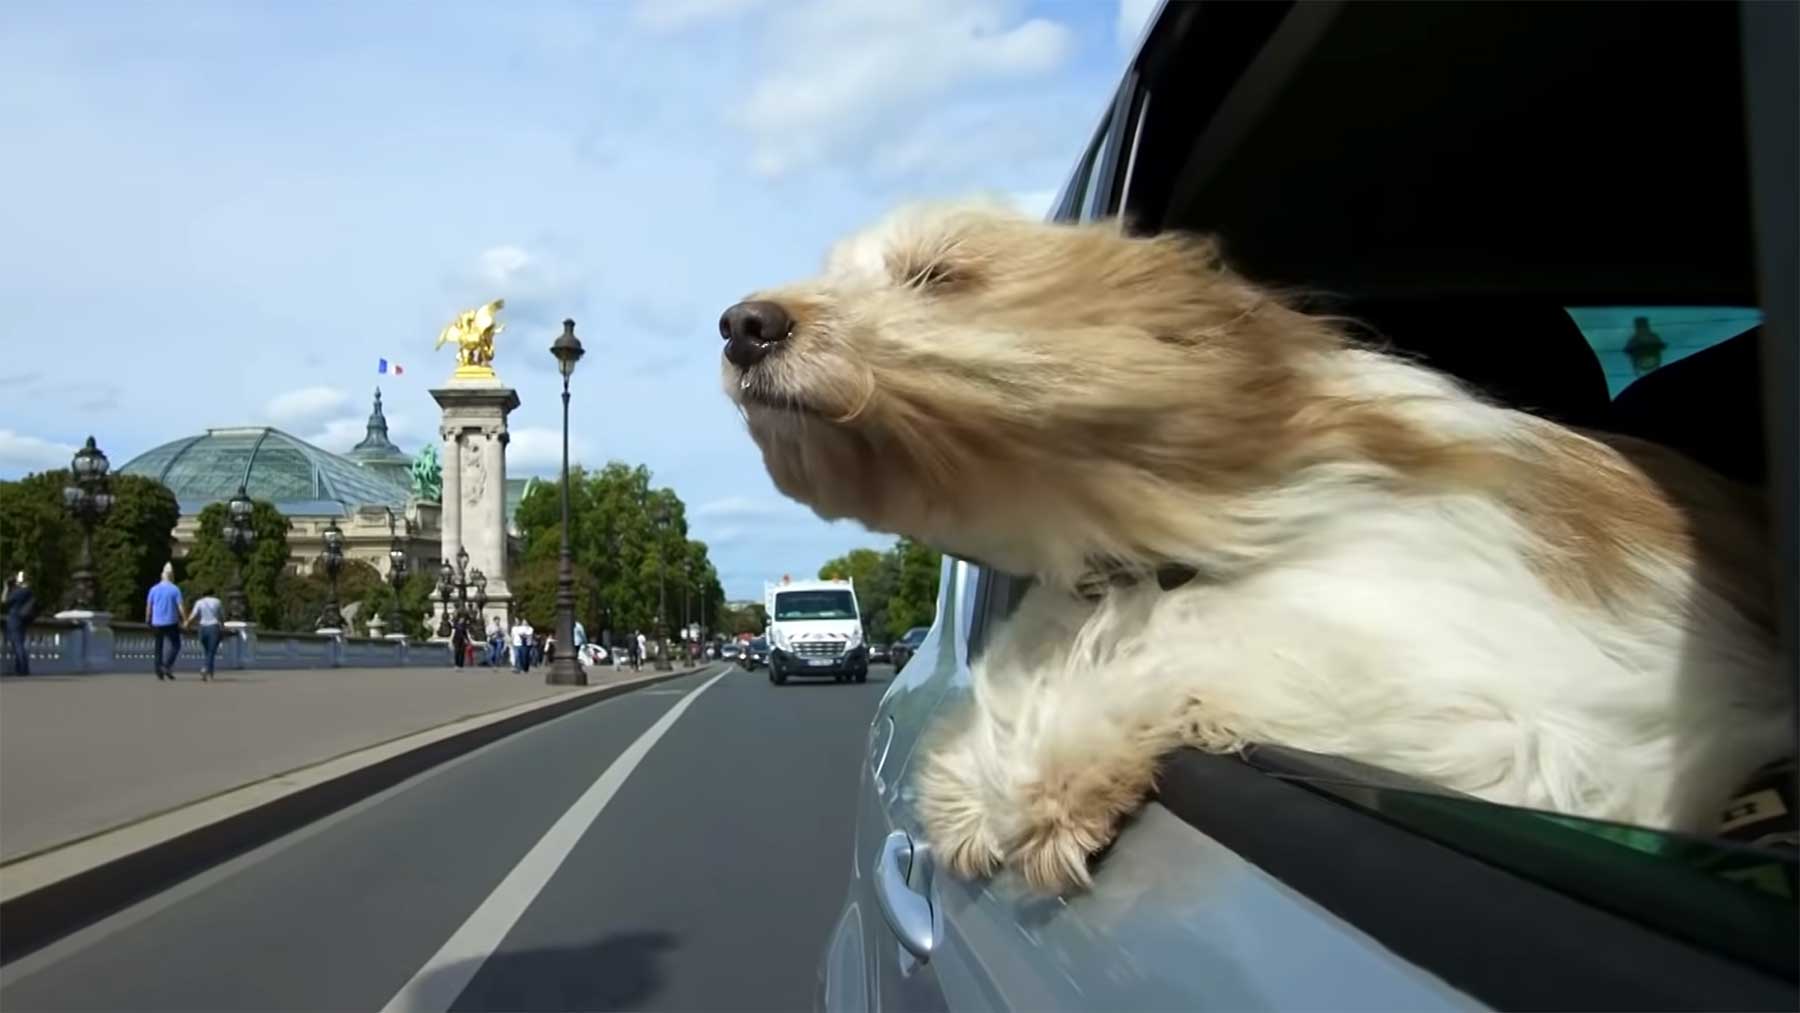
column 1634, row 341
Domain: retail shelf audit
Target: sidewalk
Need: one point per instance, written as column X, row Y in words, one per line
column 84, row 754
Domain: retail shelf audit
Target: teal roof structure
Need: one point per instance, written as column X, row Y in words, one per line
column 299, row 478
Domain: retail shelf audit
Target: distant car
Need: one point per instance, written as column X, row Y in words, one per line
column 756, row 654
column 903, row 649
column 731, row 652
column 878, row 654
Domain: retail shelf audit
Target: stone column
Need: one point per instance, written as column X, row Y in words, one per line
column 474, row 421
column 450, row 470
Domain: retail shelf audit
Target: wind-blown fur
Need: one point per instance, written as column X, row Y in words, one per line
column 1390, row 569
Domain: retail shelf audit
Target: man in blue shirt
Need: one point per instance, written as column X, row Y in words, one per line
column 162, row 609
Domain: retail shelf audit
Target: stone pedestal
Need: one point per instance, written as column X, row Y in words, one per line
column 475, row 408
column 239, row 648
column 96, row 638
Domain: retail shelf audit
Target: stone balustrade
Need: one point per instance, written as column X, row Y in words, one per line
column 95, row 643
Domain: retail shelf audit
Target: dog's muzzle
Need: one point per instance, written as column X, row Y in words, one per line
column 751, row 329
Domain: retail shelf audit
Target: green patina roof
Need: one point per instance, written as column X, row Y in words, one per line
column 296, row 476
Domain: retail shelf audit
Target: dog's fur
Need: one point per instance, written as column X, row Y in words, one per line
column 1390, row 569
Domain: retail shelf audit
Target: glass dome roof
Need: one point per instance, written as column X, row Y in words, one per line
column 299, row 478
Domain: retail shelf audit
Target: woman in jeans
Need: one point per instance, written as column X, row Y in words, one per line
column 208, row 613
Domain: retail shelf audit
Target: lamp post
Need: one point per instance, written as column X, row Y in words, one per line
column 566, row 670
column 397, row 572
column 661, row 517
column 331, row 618
column 88, row 498
column 240, row 539
column 453, row 590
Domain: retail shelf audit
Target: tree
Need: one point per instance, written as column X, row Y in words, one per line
column 267, row 580
column 34, row 537
column 131, row 543
column 618, row 549
column 868, row 569
column 415, row 604
column 914, row 600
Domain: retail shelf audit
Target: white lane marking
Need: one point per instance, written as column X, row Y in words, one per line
column 438, row 984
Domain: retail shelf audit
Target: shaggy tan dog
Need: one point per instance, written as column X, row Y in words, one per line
column 1388, row 568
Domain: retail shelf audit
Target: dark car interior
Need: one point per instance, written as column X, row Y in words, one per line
column 1451, row 177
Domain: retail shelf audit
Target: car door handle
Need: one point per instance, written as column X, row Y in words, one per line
column 908, row 912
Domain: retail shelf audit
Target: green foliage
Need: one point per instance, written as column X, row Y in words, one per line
column 914, row 598
column 131, row 543
column 626, row 562
column 302, row 599
column 415, row 604
column 34, row 537
column 895, row 590
column 267, row 581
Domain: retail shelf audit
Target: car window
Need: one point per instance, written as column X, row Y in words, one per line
column 814, row 605
column 1633, row 341
column 1727, row 895
column 1075, row 197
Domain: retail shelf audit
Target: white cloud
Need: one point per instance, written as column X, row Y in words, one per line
column 20, row 453
column 745, row 508
column 871, row 67
column 339, row 434
column 538, row 450
column 1134, row 17
column 678, row 15
column 305, row 404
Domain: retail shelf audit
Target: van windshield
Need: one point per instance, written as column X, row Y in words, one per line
column 815, row 605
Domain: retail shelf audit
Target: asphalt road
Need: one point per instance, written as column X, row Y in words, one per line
column 707, row 880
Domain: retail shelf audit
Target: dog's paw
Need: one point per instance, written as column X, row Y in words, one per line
column 1065, row 818
column 956, row 822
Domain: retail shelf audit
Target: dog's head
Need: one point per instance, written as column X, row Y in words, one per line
column 990, row 383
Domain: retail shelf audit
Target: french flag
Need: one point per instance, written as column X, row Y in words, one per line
column 390, row 367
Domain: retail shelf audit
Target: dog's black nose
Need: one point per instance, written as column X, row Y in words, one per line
column 750, row 330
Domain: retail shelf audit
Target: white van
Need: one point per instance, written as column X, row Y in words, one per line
column 815, row 628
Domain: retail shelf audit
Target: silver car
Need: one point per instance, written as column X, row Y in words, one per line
column 1383, row 151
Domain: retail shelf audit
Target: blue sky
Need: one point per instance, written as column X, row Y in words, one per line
column 223, row 214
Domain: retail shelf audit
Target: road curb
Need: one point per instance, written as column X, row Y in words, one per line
column 45, row 897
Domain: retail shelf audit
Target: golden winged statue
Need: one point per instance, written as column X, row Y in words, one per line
column 473, row 332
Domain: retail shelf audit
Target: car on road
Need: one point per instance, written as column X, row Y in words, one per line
column 904, row 648
column 730, row 651
column 1501, row 190
column 878, row 654
column 755, row 654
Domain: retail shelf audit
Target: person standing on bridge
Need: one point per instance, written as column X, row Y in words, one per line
column 162, row 610
column 208, row 611
column 21, row 609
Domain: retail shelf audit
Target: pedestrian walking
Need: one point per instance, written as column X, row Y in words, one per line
column 459, row 641
column 496, row 642
column 209, row 614
column 638, row 648
column 162, row 609
column 521, row 638
column 21, row 609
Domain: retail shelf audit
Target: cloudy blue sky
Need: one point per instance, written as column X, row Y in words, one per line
column 223, row 214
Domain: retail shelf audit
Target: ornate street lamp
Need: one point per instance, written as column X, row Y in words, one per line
column 332, row 618
column 239, row 538
column 88, row 498
column 566, row 670
column 446, row 576
column 478, row 614
column 397, row 571
column 661, row 518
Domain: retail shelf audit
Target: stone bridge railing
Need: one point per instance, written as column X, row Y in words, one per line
column 96, row 644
